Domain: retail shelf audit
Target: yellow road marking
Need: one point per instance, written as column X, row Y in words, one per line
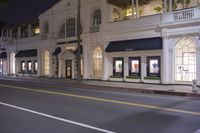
column 107, row 100
column 139, row 95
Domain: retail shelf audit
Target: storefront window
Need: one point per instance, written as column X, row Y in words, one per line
column 29, row 66
column 35, row 66
column 134, row 66
column 118, row 66
column 97, row 62
column 153, row 69
column 185, row 61
column 23, row 66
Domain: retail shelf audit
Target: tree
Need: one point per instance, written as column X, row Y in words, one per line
column 174, row 6
column 184, row 3
column 3, row 3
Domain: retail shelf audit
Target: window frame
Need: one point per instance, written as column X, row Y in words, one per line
column 23, row 70
column 34, row 66
column 130, row 59
column 149, row 74
column 120, row 74
column 29, row 68
column 97, row 17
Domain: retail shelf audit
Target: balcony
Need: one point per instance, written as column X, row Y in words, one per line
column 181, row 15
column 94, row 29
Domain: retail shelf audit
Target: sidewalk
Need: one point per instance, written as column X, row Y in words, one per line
column 181, row 90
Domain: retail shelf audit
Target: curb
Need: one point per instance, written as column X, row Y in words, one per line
column 117, row 89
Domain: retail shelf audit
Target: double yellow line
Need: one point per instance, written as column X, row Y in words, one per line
column 106, row 100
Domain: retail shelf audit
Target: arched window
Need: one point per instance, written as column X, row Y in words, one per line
column 97, row 17
column 46, row 63
column 185, row 60
column 97, row 62
column 46, row 28
column 12, row 63
column 71, row 27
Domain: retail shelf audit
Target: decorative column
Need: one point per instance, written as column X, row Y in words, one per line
column 170, row 6
column 10, row 33
column 165, row 61
column 136, row 8
column 19, row 32
column 143, row 67
column 2, row 32
column 198, row 65
column 133, row 5
column 165, row 6
column 86, row 58
column 106, row 67
column 29, row 30
column 126, row 67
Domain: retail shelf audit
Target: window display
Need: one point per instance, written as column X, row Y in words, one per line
column 153, row 69
column 23, row 66
column 154, row 66
column 29, row 66
column 118, row 66
column 134, row 66
column 35, row 66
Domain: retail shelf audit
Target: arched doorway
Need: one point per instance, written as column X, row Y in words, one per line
column 46, row 63
column 185, row 60
column 97, row 62
column 12, row 63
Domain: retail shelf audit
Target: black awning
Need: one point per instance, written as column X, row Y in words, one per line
column 57, row 51
column 3, row 55
column 27, row 53
column 135, row 45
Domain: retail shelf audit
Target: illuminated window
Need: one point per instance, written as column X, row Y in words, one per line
column 118, row 66
column 97, row 62
column 46, row 63
column 97, row 17
column 29, row 66
column 37, row 30
column 153, row 68
column 23, row 66
column 185, row 60
column 134, row 66
column 35, row 66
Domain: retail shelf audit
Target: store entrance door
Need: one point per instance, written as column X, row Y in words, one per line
column 68, row 64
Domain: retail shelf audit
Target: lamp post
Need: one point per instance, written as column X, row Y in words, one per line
column 79, row 41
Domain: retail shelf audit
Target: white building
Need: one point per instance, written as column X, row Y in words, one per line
column 151, row 41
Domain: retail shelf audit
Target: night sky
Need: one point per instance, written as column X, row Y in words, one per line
column 23, row 11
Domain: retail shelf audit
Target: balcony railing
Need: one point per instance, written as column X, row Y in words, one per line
column 94, row 29
column 182, row 15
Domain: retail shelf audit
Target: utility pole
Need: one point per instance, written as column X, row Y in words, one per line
column 79, row 41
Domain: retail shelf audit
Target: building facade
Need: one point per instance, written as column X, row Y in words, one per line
column 154, row 41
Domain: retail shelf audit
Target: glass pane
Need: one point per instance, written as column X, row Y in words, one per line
column 134, row 66
column 154, row 66
column 118, row 66
column 29, row 66
column 185, row 69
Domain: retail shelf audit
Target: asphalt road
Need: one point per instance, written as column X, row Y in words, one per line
column 41, row 107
